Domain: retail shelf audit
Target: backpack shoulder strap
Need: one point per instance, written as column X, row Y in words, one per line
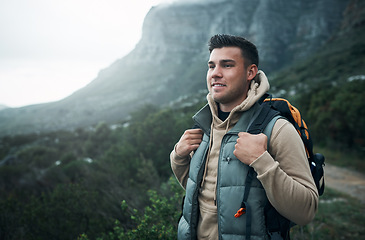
column 263, row 123
column 277, row 226
column 268, row 129
column 263, row 119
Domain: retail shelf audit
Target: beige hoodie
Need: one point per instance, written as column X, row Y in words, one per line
column 284, row 172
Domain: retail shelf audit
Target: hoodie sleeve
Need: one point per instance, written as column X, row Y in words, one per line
column 286, row 176
column 180, row 167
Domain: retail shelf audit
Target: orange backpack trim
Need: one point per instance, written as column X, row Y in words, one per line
column 296, row 116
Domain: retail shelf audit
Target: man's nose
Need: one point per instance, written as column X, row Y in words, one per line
column 217, row 72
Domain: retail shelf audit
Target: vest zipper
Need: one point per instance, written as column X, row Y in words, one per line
column 228, row 159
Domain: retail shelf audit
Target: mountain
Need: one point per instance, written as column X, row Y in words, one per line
column 169, row 62
column 3, row 107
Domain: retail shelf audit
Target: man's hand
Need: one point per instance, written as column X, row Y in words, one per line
column 249, row 147
column 189, row 142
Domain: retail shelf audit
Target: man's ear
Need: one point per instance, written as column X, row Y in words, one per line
column 251, row 72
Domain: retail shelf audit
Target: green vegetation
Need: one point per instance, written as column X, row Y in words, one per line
column 339, row 217
column 62, row 184
column 327, row 88
column 157, row 221
column 349, row 159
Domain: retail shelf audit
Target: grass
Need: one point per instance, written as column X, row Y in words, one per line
column 350, row 159
column 339, row 217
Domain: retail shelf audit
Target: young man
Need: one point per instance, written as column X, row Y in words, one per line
column 212, row 162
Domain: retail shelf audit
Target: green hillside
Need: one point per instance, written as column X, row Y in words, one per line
column 328, row 87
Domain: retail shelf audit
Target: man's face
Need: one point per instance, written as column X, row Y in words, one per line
column 227, row 77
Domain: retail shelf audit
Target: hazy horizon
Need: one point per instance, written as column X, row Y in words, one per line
column 51, row 49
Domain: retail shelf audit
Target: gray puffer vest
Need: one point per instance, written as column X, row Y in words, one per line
column 231, row 179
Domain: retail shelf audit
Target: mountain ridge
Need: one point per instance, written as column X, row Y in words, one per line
column 170, row 59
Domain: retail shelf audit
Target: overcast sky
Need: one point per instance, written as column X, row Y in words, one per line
column 51, row 48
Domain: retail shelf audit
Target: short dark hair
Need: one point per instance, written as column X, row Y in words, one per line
column 248, row 49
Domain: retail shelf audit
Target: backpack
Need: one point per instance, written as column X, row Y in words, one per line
column 272, row 107
column 271, row 110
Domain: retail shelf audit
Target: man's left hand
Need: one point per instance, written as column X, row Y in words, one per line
column 249, row 147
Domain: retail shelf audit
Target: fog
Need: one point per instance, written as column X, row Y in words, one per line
column 51, row 48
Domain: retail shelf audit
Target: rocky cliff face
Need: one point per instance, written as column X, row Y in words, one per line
column 170, row 60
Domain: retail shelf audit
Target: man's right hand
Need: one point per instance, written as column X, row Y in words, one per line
column 189, row 142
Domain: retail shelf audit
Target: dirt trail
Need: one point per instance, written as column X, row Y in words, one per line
column 345, row 180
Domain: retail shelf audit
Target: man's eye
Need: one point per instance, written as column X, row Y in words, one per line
column 228, row 65
column 211, row 66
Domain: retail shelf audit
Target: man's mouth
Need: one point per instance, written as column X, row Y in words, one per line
column 218, row 85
